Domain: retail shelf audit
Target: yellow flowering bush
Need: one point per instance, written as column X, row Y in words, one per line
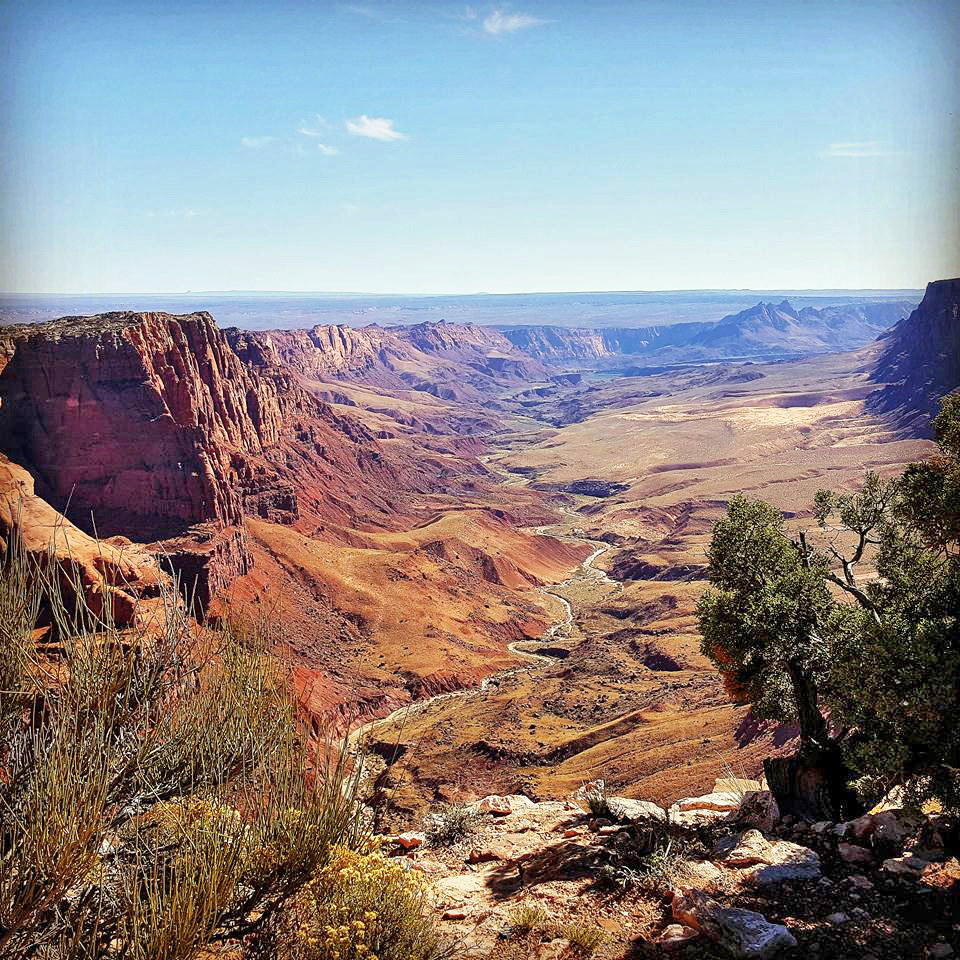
column 363, row 906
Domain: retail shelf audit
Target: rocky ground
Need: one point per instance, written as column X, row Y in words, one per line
column 715, row 876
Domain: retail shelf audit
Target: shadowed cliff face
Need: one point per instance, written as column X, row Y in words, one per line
column 920, row 358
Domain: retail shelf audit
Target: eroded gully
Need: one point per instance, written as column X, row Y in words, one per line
column 585, row 574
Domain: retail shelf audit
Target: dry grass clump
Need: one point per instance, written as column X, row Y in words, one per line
column 363, row 906
column 584, row 938
column 526, row 918
column 157, row 792
column 529, row 920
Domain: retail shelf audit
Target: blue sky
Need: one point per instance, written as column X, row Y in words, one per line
column 440, row 148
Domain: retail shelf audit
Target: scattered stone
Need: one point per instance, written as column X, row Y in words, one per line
column 675, row 936
column 409, row 840
column 822, row 826
column 751, row 848
column 488, row 854
column 757, row 809
column 862, row 827
column 906, row 866
column 944, row 875
column 594, row 790
column 939, row 951
column 893, row 827
column 838, row 919
column 455, row 913
column 721, row 802
column 572, row 832
column 703, row 874
column 775, row 861
column 610, row 829
column 502, row 806
column 859, row 881
column 744, row 933
column 695, row 818
column 851, row 853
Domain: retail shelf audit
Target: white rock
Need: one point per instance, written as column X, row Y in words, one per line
column 773, row 862
column 594, row 790
column 724, row 802
column 501, row 806
column 636, row 811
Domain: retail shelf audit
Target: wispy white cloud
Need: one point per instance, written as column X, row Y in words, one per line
column 500, row 22
column 175, row 213
column 257, row 143
column 327, row 151
column 378, row 14
column 314, row 127
column 857, row 149
column 376, row 128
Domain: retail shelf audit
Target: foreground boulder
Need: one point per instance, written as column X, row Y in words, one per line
column 743, row 933
column 773, row 862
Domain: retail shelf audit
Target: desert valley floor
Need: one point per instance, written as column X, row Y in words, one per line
column 618, row 688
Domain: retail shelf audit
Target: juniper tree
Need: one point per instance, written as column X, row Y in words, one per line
column 855, row 619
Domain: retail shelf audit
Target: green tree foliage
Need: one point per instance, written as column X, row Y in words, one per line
column 856, row 619
column 156, row 792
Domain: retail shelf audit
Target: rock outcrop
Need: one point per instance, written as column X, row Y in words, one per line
column 450, row 361
column 919, row 360
column 151, row 426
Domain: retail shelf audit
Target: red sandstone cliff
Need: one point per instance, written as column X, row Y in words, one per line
column 451, row 361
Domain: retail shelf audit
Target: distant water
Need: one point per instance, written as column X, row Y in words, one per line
column 291, row 310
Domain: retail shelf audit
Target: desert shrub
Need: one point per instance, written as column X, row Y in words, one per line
column 450, row 825
column 363, row 906
column 157, row 794
column 652, row 859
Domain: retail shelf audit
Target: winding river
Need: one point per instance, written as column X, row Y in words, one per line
column 585, row 573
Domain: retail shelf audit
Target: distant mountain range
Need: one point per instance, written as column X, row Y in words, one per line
column 765, row 330
column 287, row 311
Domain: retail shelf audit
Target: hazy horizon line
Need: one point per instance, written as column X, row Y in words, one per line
column 477, row 293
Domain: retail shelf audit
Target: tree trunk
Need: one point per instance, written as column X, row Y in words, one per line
column 813, row 784
column 813, row 728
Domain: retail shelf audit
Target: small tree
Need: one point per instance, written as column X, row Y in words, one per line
column 801, row 632
column 156, row 791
